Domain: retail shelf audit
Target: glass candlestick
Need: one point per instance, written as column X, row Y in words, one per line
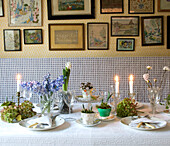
column 132, row 95
column 116, row 98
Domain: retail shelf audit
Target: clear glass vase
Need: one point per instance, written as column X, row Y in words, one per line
column 154, row 95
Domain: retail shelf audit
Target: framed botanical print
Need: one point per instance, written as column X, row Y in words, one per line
column 125, row 44
column 1, row 8
column 163, row 5
column 141, row 6
column 124, row 26
column 98, row 36
column 71, row 9
column 66, row 36
column 24, row 13
column 33, row 36
column 152, row 30
column 12, row 40
column 168, row 32
column 111, row 6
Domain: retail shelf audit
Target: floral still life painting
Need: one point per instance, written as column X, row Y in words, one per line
column 141, row 6
column 12, row 40
column 152, row 30
column 71, row 5
column 97, row 36
column 127, row 44
column 24, row 13
column 124, row 26
column 33, row 36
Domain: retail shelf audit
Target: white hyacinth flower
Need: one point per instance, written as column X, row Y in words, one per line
column 146, row 77
column 149, row 67
column 166, row 68
column 68, row 65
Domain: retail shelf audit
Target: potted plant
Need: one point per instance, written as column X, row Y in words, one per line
column 167, row 104
column 104, row 109
column 88, row 116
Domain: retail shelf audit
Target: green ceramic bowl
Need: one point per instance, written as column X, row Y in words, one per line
column 104, row 112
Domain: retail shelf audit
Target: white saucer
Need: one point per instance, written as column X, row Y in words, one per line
column 96, row 122
column 139, row 105
column 106, row 119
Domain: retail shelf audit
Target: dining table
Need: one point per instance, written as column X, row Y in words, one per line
column 71, row 133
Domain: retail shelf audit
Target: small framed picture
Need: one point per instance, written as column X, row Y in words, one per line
column 12, row 40
column 163, row 5
column 24, row 13
column 125, row 44
column 124, row 26
column 66, row 36
column 1, row 8
column 71, row 9
column 98, row 36
column 111, row 6
column 168, row 32
column 141, row 6
column 152, row 30
column 33, row 36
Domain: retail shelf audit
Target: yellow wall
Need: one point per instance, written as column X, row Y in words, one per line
column 42, row 51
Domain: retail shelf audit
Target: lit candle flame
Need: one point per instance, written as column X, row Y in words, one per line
column 116, row 78
column 18, row 77
column 131, row 77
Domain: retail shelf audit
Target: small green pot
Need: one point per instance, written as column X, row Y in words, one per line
column 104, row 112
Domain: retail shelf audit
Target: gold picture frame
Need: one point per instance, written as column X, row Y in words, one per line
column 66, row 37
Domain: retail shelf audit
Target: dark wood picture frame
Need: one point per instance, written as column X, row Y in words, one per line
column 162, row 10
column 14, row 40
column 151, row 36
column 168, row 32
column 69, row 16
column 119, row 49
column 129, row 9
column 41, row 37
column 101, row 5
column 67, row 30
column 97, row 40
column 2, row 8
column 132, row 27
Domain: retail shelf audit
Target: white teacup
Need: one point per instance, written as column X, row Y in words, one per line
column 88, row 118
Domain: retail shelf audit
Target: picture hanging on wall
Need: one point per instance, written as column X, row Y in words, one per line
column 71, row 9
column 12, row 40
column 124, row 26
column 24, row 13
column 152, row 31
column 163, row 5
column 125, row 44
column 141, row 6
column 1, row 8
column 33, row 36
column 98, row 36
column 168, row 32
column 111, row 6
column 66, row 36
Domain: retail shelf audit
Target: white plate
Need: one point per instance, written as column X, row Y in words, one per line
column 96, row 122
column 126, row 121
column 59, row 121
column 106, row 119
column 139, row 105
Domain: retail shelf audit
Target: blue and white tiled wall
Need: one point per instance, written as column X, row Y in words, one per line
column 98, row 71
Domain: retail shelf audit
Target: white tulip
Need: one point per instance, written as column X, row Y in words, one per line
column 68, row 65
column 166, row 68
column 146, row 77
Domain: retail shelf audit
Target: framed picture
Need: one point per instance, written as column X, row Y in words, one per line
column 168, row 32
column 66, row 36
column 124, row 26
column 1, row 8
column 71, row 9
column 141, row 6
column 33, row 36
column 163, row 5
column 24, row 13
column 98, row 36
column 152, row 30
column 111, row 6
column 12, row 40
column 125, row 44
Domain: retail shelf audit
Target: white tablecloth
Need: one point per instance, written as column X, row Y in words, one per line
column 72, row 134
